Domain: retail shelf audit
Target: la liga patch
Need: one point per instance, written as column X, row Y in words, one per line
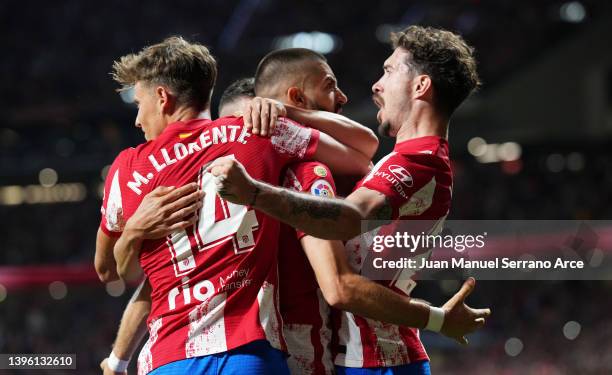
column 322, row 188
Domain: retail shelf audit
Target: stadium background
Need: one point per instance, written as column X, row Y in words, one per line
column 532, row 144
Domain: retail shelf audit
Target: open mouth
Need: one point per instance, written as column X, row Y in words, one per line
column 377, row 101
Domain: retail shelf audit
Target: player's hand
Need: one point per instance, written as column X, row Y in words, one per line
column 260, row 115
column 165, row 210
column 108, row 371
column 233, row 182
column 459, row 318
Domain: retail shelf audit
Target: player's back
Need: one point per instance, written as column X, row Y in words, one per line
column 214, row 284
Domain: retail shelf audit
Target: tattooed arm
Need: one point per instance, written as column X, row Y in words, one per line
column 331, row 219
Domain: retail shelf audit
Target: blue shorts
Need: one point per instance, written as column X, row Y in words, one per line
column 257, row 358
column 417, row 368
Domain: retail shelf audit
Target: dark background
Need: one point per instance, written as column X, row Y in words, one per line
column 547, row 72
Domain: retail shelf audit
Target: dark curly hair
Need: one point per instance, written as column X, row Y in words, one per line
column 446, row 58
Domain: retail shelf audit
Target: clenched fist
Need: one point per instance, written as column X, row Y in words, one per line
column 233, row 182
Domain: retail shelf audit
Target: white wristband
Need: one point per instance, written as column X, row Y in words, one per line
column 436, row 319
column 116, row 364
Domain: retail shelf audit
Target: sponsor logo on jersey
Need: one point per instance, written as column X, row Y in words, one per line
column 401, row 174
column 320, row 171
column 322, row 188
column 184, row 135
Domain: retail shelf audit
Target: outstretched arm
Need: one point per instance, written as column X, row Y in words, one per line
column 332, row 219
column 346, row 290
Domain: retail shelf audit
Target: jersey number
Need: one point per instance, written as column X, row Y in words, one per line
column 219, row 221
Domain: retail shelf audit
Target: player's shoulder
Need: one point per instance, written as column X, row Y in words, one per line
column 426, row 151
column 425, row 147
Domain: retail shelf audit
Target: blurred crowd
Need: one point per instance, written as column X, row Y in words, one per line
column 61, row 112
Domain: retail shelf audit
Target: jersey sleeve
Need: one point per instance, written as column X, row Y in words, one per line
column 408, row 182
column 294, row 141
column 112, row 210
column 310, row 177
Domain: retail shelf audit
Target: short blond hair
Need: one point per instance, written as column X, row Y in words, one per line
column 187, row 69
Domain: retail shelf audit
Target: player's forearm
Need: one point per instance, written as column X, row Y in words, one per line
column 126, row 253
column 345, row 161
column 104, row 262
column 341, row 128
column 133, row 326
column 326, row 218
column 366, row 298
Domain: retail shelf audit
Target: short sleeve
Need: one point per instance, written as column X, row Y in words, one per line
column 310, row 177
column 112, row 210
column 408, row 182
column 294, row 141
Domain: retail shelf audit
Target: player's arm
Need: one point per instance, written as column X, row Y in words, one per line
column 340, row 158
column 132, row 329
column 104, row 262
column 349, row 132
column 346, row 290
column 332, row 219
column 344, row 145
column 161, row 212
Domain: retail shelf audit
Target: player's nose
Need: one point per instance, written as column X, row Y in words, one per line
column 342, row 98
column 377, row 87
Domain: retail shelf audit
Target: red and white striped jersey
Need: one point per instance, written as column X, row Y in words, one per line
column 306, row 314
column 416, row 178
column 214, row 285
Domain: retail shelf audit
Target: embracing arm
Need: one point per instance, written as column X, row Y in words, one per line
column 344, row 145
column 344, row 289
column 349, row 132
column 104, row 262
column 332, row 219
column 161, row 212
column 340, row 158
column 126, row 251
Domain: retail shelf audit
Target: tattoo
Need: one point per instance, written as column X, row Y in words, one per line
column 315, row 208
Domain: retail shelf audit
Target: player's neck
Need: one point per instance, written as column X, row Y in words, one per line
column 423, row 124
column 188, row 113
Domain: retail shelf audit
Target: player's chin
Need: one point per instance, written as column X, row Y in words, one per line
column 379, row 117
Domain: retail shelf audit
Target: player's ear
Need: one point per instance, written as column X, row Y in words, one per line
column 422, row 87
column 295, row 97
column 165, row 99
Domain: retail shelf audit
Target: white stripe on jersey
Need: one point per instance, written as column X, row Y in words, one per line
column 420, row 201
column 349, row 336
column 268, row 314
column 145, row 358
column 206, row 333
column 300, row 346
column 114, row 206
